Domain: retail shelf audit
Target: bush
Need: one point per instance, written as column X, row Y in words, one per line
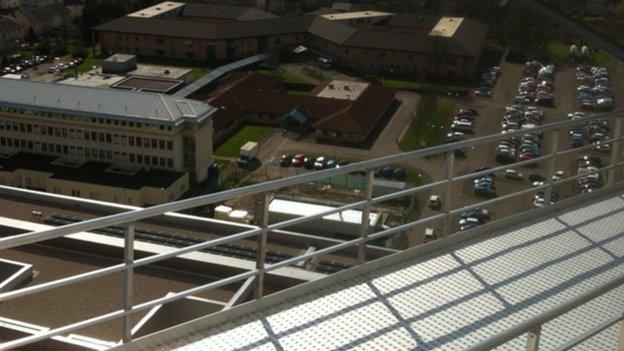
column 298, row 86
column 80, row 52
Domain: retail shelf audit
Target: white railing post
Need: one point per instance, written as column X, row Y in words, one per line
column 551, row 169
column 533, row 339
column 621, row 337
column 448, row 194
column 263, row 223
column 128, row 282
column 365, row 224
column 615, row 150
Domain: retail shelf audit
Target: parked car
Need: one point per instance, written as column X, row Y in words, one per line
column 320, row 163
column 297, row 161
column 286, row 160
column 435, row 203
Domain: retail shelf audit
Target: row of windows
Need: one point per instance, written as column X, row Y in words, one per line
column 92, row 153
column 81, row 119
column 101, row 137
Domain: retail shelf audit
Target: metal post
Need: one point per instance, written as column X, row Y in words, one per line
column 615, row 150
column 551, row 169
column 365, row 224
column 446, row 205
column 263, row 222
column 128, row 282
column 621, row 337
column 533, row 339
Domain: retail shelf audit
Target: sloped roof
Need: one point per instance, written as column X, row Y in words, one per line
column 413, row 21
column 389, row 41
column 155, row 26
column 334, row 31
column 363, row 114
column 238, row 95
column 234, row 13
column 465, row 40
column 470, row 36
column 207, row 30
column 100, row 102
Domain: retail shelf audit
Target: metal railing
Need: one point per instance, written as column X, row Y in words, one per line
column 262, row 233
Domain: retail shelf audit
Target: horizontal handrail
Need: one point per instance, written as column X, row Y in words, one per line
column 544, row 317
column 137, row 215
column 140, row 214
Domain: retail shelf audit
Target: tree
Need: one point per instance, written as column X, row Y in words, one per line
column 44, row 47
column 81, row 52
column 31, row 38
column 5, row 61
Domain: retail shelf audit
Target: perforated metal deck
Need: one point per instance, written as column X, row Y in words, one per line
column 455, row 298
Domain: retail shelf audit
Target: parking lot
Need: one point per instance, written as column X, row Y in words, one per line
column 491, row 112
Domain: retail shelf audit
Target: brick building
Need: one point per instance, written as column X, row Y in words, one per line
column 344, row 112
column 370, row 41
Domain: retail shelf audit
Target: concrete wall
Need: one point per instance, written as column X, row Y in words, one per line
column 136, row 197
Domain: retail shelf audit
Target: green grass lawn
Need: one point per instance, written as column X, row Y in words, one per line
column 413, row 178
column 420, row 86
column 428, row 128
column 284, row 75
column 558, row 53
column 232, row 146
column 317, row 74
column 604, row 59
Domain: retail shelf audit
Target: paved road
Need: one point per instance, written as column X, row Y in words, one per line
column 386, row 143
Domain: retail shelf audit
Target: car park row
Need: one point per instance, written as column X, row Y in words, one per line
column 23, row 65
column 528, row 147
column 464, row 122
column 594, row 132
column 593, row 91
column 536, row 85
column 589, row 165
column 488, row 80
column 62, row 67
column 322, row 162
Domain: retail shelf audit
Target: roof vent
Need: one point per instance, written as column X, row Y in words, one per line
column 331, row 86
column 347, row 88
column 167, row 71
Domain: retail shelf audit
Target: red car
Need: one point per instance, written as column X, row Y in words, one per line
column 298, row 160
column 525, row 156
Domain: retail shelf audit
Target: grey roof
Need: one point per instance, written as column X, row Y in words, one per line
column 207, row 30
column 101, row 102
column 414, row 21
column 389, row 41
column 237, row 13
column 466, row 42
column 334, row 31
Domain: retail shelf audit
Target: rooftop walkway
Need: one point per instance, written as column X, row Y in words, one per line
column 453, row 298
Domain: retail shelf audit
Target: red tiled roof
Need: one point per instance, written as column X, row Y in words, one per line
column 239, row 93
column 363, row 114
